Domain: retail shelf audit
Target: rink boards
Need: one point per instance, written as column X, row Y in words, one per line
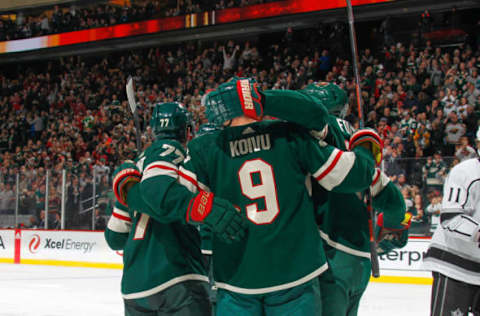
column 89, row 249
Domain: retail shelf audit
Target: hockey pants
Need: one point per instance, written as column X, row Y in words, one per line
column 452, row 297
column 188, row 298
column 343, row 284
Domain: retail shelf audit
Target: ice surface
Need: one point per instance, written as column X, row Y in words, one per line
column 30, row 290
column 388, row 299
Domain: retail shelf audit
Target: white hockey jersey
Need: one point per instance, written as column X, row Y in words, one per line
column 454, row 250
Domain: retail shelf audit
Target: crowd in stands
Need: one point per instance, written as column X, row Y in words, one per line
column 65, row 19
column 72, row 113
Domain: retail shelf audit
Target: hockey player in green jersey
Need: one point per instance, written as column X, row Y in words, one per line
column 163, row 270
column 346, row 242
column 261, row 167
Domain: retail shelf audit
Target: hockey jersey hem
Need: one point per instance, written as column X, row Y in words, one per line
column 451, row 271
column 454, row 259
column 275, row 288
column 163, row 286
column 343, row 248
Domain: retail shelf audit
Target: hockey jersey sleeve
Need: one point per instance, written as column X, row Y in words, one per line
column 388, row 199
column 296, row 107
column 334, row 169
column 118, row 227
column 460, row 202
column 159, row 188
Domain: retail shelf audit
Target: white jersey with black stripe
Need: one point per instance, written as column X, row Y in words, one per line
column 454, row 250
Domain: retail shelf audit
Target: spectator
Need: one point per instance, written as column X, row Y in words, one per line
column 229, row 59
column 27, row 202
column 7, row 199
column 57, row 223
column 465, row 151
column 434, row 172
column 433, row 210
column 100, row 223
column 79, row 121
column 41, row 222
column 454, row 130
column 419, row 224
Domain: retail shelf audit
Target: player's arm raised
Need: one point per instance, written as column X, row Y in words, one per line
column 335, row 169
column 296, row 106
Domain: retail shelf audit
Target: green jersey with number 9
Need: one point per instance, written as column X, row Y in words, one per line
column 262, row 168
column 157, row 252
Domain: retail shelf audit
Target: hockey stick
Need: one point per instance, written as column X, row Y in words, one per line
column 133, row 108
column 368, row 195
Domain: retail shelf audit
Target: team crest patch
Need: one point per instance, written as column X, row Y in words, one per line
column 456, row 312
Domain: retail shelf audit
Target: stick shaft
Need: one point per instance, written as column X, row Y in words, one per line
column 133, row 108
column 137, row 133
column 356, row 67
column 356, row 70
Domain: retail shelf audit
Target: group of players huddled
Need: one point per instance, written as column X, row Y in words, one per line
column 271, row 192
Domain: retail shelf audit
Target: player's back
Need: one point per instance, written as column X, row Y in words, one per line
column 261, row 169
column 461, row 190
column 157, row 255
column 453, row 251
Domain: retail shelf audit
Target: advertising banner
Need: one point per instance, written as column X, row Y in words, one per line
column 7, row 245
column 89, row 249
column 409, row 258
column 49, row 246
column 405, row 265
column 229, row 15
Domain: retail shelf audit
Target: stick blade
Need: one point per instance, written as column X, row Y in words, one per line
column 131, row 94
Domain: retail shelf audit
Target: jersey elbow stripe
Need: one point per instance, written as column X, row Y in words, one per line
column 189, row 179
column 186, row 182
column 121, row 217
column 118, row 225
column 334, row 171
column 121, row 214
column 160, row 169
column 380, row 181
column 376, row 177
column 327, row 166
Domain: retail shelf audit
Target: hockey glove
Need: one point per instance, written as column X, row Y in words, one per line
column 218, row 214
column 391, row 238
column 369, row 139
column 251, row 98
column 124, row 177
column 245, row 94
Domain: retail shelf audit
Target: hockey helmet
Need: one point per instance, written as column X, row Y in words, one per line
column 223, row 104
column 170, row 120
column 332, row 96
column 206, row 128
